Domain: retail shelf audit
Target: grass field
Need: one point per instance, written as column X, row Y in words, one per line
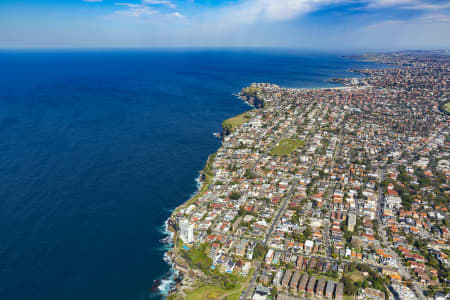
column 232, row 123
column 214, row 292
column 286, row 147
column 234, row 296
column 356, row 276
column 207, row 292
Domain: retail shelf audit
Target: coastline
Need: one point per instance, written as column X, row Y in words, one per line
column 169, row 280
column 177, row 264
column 176, row 272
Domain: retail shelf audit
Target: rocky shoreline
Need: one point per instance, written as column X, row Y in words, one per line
column 185, row 275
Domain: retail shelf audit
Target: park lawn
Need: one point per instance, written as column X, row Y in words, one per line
column 246, row 280
column 234, row 296
column 286, row 147
column 213, row 292
column 347, row 297
column 232, row 123
column 210, row 291
column 206, row 292
column 356, row 276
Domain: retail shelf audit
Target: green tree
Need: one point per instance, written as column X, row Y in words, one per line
column 259, row 251
column 349, row 287
column 235, row 195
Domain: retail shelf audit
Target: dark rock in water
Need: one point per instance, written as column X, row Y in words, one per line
column 171, row 225
column 165, row 240
column 155, row 286
column 179, row 278
column 337, row 80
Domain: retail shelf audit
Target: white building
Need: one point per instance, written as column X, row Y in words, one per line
column 351, row 222
column 309, row 246
column 393, row 202
column 186, row 231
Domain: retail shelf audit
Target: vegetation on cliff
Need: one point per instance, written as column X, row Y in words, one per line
column 250, row 91
column 197, row 256
column 250, row 94
column 231, row 124
column 207, row 175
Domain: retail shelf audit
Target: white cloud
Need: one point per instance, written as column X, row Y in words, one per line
column 144, row 9
column 434, row 18
column 407, row 4
column 251, row 11
column 424, row 32
column 388, row 3
column 261, row 11
column 128, row 4
column 176, row 14
column 160, row 2
column 428, row 6
column 423, row 19
column 136, row 10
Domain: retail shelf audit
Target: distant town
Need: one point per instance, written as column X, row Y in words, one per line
column 333, row 193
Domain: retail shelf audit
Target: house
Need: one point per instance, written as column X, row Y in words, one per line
column 339, row 293
column 329, row 289
column 269, row 256
column 303, row 282
column 299, row 262
column 277, row 279
column 351, row 222
column 311, row 285
column 369, row 293
column 309, row 246
column 286, row 278
column 320, row 288
column 261, row 293
column 294, row 280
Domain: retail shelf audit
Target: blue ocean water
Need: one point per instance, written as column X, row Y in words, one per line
column 97, row 147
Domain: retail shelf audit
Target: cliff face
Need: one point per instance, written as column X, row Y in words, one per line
column 225, row 131
column 172, row 225
column 256, row 101
column 250, row 95
column 231, row 124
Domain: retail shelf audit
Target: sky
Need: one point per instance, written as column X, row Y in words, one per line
column 329, row 25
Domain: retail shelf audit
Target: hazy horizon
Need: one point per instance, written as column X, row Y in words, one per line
column 331, row 25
